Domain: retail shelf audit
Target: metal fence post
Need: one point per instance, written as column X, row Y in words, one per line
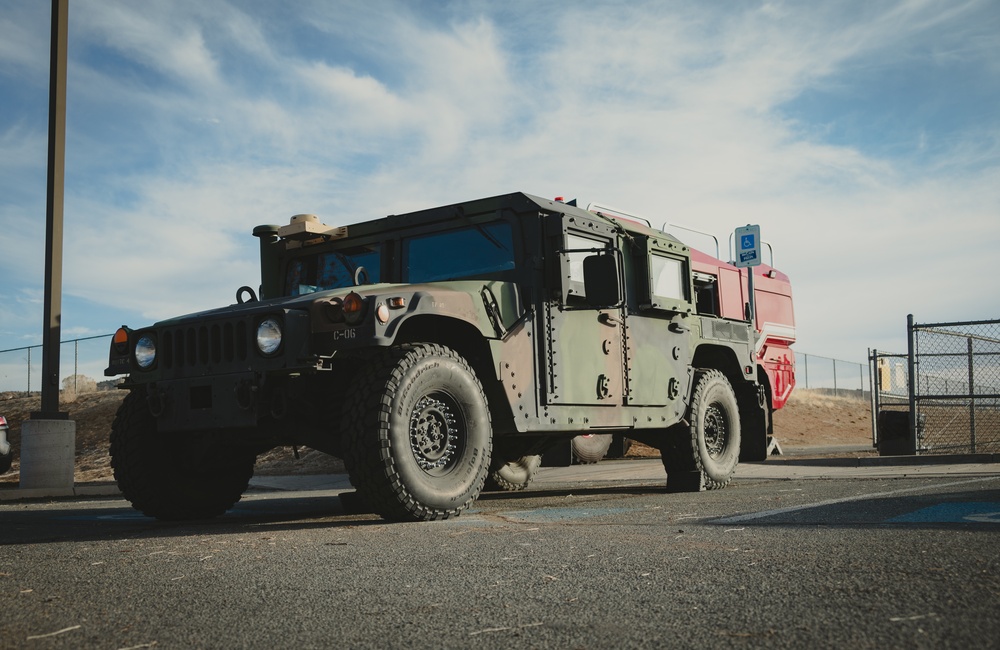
column 911, row 368
column 835, row 392
column 874, row 386
column 972, row 398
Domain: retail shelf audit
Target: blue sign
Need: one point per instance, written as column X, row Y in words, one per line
column 748, row 244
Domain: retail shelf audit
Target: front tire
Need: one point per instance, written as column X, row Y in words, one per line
column 417, row 433
column 173, row 477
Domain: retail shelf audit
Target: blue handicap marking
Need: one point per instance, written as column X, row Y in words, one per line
column 546, row 515
column 746, row 241
column 97, row 516
column 985, row 512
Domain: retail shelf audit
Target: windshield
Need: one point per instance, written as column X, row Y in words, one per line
column 330, row 270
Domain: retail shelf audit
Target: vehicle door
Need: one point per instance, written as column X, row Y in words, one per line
column 658, row 337
column 584, row 343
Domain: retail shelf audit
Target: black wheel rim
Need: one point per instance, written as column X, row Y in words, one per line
column 437, row 431
column 716, row 430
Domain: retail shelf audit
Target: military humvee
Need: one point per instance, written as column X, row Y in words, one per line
column 440, row 350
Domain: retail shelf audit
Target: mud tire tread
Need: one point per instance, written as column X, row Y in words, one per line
column 368, row 448
column 146, row 468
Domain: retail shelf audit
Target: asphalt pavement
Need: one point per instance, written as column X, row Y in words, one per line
column 796, row 552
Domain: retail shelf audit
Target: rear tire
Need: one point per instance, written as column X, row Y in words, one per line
column 163, row 477
column 704, row 455
column 417, row 433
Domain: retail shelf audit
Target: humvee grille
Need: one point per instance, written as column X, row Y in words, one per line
column 204, row 345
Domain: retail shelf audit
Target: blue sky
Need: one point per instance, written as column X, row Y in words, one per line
column 863, row 137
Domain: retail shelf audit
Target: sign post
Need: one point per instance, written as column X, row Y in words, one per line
column 748, row 256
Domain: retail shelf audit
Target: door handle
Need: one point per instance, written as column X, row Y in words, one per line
column 609, row 320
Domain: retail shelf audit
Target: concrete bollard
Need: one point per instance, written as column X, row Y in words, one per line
column 47, row 453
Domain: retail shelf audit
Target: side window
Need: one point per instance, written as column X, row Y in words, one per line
column 706, row 293
column 666, row 278
column 462, row 253
column 578, row 247
column 668, row 286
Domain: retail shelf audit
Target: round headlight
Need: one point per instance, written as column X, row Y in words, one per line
column 268, row 336
column 145, row 351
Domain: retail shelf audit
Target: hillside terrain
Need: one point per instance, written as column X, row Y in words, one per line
column 810, row 419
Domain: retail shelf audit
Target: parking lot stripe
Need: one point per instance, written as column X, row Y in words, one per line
column 830, row 502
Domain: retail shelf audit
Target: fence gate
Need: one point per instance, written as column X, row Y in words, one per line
column 954, row 398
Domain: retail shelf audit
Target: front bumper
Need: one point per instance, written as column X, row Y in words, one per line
column 229, row 401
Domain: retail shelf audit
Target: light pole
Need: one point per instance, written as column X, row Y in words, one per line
column 48, row 439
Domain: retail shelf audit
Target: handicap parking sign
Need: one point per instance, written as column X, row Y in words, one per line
column 748, row 253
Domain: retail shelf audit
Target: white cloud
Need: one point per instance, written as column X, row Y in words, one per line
column 22, row 55
column 155, row 35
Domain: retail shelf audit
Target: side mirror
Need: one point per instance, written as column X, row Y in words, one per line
column 600, row 280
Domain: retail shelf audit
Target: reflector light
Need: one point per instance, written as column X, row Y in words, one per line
column 397, row 303
column 382, row 314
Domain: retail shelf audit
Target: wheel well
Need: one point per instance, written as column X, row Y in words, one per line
column 458, row 335
column 754, row 421
column 720, row 358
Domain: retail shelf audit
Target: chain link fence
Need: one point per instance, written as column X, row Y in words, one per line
column 81, row 361
column 839, row 378
column 955, row 397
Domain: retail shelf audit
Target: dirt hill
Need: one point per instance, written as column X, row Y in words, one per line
column 811, row 418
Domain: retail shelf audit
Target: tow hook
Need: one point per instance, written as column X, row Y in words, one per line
column 279, row 405
column 246, row 393
column 157, row 402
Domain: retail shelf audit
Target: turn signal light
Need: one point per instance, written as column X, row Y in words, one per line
column 121, row 340
column 354, row 308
